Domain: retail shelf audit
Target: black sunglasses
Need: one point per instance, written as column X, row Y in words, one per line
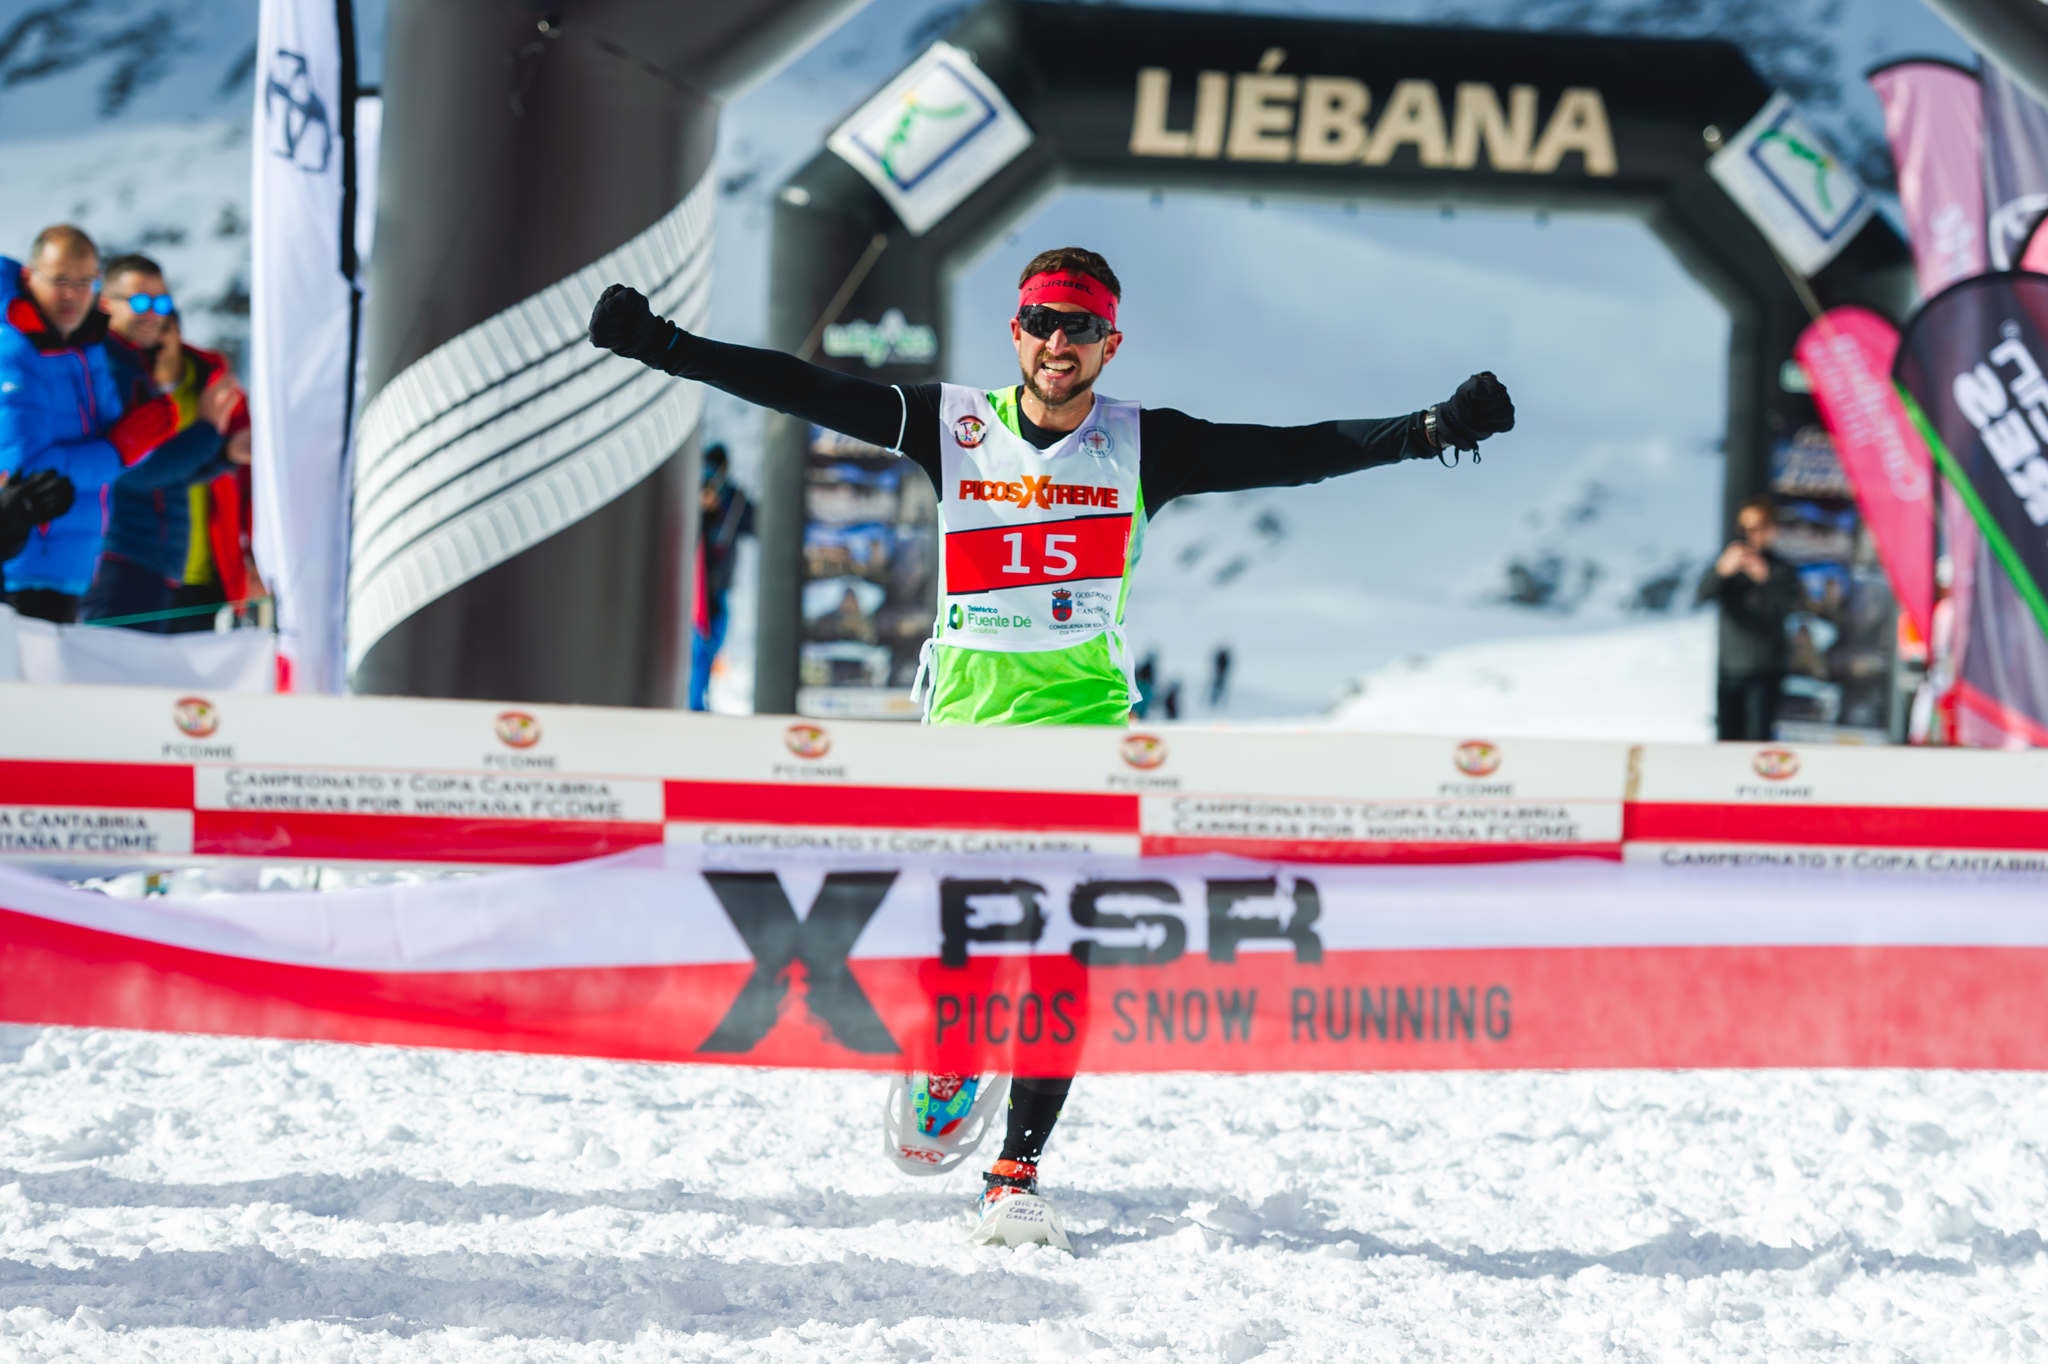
column 1083, row 329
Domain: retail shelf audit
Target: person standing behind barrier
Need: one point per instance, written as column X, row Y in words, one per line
column 725, row 514
column 1757, row 591
column 147, row 544
column 59, row 409
column 1045, row 489
column 219, row 569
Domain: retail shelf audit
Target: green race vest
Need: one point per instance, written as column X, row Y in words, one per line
column 1038, row 548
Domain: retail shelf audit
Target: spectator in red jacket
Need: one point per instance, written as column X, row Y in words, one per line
column 219, row 569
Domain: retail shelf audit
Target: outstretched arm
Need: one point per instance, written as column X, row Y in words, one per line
column 1185, row 455
column 883, row 415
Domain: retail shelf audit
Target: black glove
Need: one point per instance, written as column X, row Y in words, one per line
column 29, row 501
column 1480, row 408
column 44, row 494
column 622, row 323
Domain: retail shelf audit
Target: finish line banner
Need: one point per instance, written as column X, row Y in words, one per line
column 1057, row 965
column 98, row 779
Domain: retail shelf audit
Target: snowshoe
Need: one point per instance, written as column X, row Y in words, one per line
column 931, row 1123
column 1012, row 1214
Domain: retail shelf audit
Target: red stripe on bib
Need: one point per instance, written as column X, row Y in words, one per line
column 1036, row 552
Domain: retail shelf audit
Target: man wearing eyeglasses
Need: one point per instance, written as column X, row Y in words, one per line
column 147, row 547
column 60, row 410
column 1045, row 489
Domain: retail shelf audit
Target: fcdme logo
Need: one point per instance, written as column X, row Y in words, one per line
column 822, row 940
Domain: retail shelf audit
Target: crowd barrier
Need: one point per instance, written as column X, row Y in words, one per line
column 769, row 891
column 1938, row 811
column 157, row 778
column 153, row 779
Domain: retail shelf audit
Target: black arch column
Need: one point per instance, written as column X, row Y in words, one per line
column 522, row 522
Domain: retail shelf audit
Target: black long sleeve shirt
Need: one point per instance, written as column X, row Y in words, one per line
column 1178, row 454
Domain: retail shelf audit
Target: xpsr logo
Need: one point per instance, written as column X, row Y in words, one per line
column 294, row 108
column 1231, row 911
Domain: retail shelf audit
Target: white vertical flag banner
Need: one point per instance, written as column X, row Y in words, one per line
column 303, row 320
column 1800, row 194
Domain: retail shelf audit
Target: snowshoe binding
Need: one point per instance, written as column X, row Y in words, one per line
column 1012, row 1214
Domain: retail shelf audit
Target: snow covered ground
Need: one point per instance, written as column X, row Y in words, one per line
column 170, row 1198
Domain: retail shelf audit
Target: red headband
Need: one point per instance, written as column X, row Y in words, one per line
column 1062, row 286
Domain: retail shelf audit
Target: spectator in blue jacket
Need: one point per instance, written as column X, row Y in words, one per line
column 149, row 521
column 59, row 410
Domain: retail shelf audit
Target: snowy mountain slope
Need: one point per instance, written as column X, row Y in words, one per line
column 1604, row 543
column 113, row 181
column 1649, row 682
column 70, row 65
column 131, row 119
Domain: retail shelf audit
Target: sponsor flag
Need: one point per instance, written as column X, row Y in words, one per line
column 932, row 136
column 2015, row 166
column 1969, row 368
column 304, row 316
column 2000, row 698
column 2034, row 256
column 1801, row 196
column 1848, row 353
column 1056, row 965
column 1934, row 120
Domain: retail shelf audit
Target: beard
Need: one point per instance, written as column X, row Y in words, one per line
column 1054, row 402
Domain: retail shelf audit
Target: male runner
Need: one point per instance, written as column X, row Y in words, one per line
column 1045, row 489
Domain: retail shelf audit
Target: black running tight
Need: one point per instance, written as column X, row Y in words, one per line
column 1034, row 1108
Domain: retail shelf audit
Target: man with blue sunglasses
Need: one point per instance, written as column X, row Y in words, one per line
column 147, row 544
